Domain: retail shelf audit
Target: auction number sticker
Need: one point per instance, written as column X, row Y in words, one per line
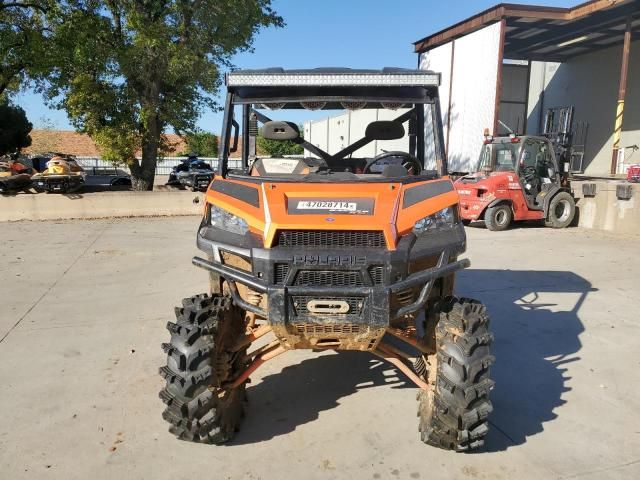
column 347, row 206
column 330, row 205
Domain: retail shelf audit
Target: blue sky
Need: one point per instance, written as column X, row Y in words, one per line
column 339, row 33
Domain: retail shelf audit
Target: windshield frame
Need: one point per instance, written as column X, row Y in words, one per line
column 516, row 148
column 428, row 98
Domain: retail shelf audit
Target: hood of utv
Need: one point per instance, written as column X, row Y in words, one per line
column 270, row 207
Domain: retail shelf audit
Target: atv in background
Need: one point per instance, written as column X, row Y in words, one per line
column 62, row 175
column 14, row 175
column 517, row 178
column 354, row 247
column 192, row 173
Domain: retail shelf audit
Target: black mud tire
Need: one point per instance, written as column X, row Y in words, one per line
column 199, row 362
column 498, row 217
column 562, row 209
column 453, row 411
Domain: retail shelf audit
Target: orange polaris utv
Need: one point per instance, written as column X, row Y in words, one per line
column 338, row 249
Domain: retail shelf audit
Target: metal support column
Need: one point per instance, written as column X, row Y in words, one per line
column 624, row 70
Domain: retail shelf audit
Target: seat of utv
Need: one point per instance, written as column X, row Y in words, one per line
column 286, row 166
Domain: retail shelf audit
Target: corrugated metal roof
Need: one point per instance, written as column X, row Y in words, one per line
column 548, row 33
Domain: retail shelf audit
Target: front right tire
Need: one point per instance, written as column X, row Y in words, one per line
column 454, row 409
column 200, row 362
column 562, row 209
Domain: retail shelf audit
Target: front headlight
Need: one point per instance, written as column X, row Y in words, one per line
column 442, row 220
column 224, row 220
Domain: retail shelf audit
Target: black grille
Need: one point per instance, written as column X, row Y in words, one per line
column 300, row 302
column 331, row 238
column 318, row 278
column 377, row 275
column 320, row 329
column 281, row 273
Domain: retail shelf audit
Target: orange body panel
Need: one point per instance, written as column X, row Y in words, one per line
column 252, row 215
column 388, row 214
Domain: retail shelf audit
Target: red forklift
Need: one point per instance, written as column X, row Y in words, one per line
column 518, row 177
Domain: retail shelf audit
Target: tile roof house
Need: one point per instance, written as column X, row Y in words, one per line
column 81, row 145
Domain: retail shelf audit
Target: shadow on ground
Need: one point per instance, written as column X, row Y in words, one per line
column 534, row 343
column 535, row 340
column 297, row 395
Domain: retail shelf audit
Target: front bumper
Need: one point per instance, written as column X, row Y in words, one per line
column 198, row 181
column 373, row 300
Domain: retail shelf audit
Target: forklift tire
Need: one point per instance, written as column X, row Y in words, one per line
column 199, row 362
column 498, row 217
column 562, row 209
column 454, row 409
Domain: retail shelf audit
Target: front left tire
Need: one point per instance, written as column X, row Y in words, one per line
column 498, row 218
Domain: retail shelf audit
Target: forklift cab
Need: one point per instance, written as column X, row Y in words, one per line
column 537, row 169
column 531, row 158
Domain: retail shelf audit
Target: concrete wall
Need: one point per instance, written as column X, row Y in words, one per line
column 602, row 212
column 590, row 82
column 100, row 205
column 605, row 211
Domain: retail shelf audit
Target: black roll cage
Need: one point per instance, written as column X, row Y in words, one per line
column 416, row 141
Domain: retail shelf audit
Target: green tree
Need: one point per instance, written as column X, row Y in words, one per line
column 278, row 148
column 14, row 129
column 204, row 144
column 126, row 70
column 23, row 38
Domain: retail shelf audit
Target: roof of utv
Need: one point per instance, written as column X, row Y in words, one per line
column 332, row 87
column 333, row 77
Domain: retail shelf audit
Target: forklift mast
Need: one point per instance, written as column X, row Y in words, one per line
column 558, row 129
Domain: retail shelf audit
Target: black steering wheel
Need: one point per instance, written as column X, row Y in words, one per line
column 411, row 163
column 529, row 172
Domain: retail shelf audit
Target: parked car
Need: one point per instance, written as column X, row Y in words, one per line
column 106, row 177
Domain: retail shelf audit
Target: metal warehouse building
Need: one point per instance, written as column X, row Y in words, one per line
column 511, row 63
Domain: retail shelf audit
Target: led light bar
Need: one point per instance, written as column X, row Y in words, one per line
column 331, row 79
